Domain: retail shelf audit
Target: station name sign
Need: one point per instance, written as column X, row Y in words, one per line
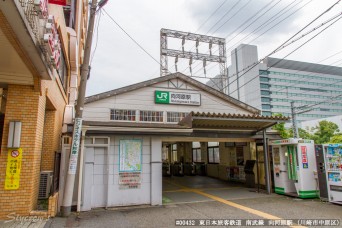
column 167, row 97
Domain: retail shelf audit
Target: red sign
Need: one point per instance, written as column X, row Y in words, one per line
column 41, row 6
column 58, row 2
column 304, row 157
column 52, row 42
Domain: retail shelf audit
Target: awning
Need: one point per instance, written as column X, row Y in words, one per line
column 231, row 122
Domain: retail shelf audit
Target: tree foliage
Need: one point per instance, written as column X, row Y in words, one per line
column 337, row 138
column 324, row 132
column 280, row 127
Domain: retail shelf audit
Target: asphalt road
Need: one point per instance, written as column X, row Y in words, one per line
column 165, row 216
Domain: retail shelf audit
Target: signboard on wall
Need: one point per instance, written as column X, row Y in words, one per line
column 76, row 138
column 130, row 155
column 166, row 97
column 129, row 180
column 60, row 2
column 13, row 169
column 304, row 157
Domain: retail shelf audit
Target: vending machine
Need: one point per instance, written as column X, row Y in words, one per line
column 333, row 166
column 321, row 173
column 294, row 167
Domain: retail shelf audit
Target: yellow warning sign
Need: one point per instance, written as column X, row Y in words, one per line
column 13, row 169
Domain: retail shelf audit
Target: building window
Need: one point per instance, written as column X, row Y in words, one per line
column 265, row 99
column 263, row 72
column 151, row 116
column 264, row 86
column 263, row 92
column 213, row 152
column 266, row 113
column 239, row 155
column 62, row 72
column 122, row 114
column 174, row 152
column 175, row 117
column 196, row 152
column 263, row 79
column 266, row 106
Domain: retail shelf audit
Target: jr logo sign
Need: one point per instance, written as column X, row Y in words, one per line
column 162, row 97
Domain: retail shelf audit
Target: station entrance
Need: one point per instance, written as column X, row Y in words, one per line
column 232, row 169
column 202, row 157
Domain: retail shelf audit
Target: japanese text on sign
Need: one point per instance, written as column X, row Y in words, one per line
column 304, row 157
column 130, row 180
column 75, row 146
column 13, row 169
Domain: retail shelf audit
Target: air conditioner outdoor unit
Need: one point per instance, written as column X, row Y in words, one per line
column 45, row 183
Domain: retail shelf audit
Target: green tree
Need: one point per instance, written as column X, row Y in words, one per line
column 324, row 131
column 337, row 138
column 280, row 127
column 302, row 133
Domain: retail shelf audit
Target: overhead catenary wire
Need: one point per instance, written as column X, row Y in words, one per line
column 97, row 24
column 280, row 46
column 255, row 20
column 290, row 53
column 211, row 15
column 267, row 23
column 136, row 42
column 218, row 21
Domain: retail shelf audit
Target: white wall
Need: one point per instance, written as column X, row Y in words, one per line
column 102, row 189
column 143, row 99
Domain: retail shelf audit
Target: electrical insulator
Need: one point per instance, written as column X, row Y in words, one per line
column 197, row 43
column 204, row 65
column 176, row 61
column 210, row 46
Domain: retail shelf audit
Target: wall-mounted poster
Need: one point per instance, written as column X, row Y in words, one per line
column 130, row 155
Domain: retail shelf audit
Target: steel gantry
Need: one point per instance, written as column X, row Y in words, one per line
column 165, row 52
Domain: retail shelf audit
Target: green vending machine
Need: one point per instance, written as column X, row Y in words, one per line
column 294, row 166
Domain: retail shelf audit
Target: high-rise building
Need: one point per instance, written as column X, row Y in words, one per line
column 41, row 49
column 273, row 84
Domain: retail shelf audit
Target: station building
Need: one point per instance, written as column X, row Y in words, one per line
column 130, row 133
column 41, row 46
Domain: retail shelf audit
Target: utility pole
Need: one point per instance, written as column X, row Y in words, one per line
column 72, row 167
column 294, row 121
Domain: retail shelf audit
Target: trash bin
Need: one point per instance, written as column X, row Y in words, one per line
column 249, row 173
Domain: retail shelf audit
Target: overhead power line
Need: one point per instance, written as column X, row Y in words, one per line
column 272, row 19
column 280, row 46
column 288, row 54
column 136, row 42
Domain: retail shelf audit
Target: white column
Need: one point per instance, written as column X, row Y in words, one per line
column 156, row 171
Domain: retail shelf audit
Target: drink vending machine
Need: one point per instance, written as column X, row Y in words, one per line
column 333, row 167
column 294, row 167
